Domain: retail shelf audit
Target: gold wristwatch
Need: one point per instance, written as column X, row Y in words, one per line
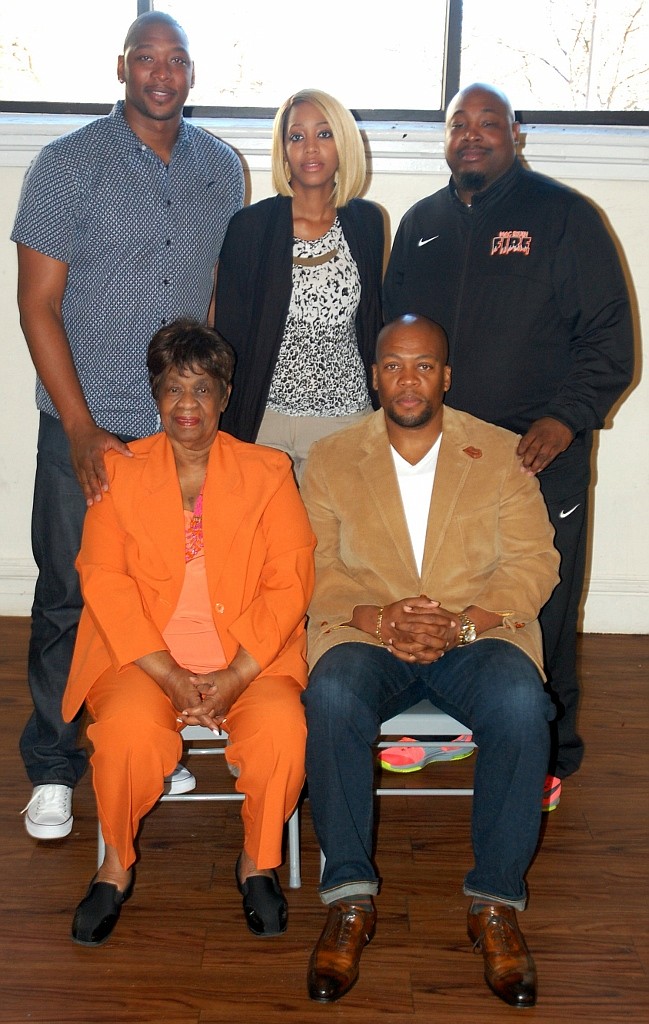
column 468, row 632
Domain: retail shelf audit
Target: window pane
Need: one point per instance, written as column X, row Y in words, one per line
column 582, row 55
column 254, row 54
column 62, row 52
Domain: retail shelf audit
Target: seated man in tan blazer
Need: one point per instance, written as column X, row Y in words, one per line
column 434, row 556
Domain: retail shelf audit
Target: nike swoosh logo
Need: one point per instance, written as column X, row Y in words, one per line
column 564, row 515
column 425, row 241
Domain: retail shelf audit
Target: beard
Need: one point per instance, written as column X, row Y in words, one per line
column 413, row 419
column 471, row 181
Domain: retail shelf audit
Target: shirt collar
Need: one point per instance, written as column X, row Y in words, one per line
column 126, row 139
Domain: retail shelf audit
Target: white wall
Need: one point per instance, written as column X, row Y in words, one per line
column 610, row 165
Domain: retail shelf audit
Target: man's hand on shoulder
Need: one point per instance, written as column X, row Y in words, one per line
column 88, row 446
column 545, row 439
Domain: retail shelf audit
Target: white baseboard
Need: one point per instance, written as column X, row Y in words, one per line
column 615, row 604
column 17, row 579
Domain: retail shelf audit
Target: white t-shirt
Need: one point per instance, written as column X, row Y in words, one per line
column 416, row 487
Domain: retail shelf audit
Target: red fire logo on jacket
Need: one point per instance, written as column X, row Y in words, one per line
column 507, row 242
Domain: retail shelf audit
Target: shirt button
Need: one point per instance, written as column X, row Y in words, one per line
column 166, row 280
column 219, row 608
column 168, row 242
column 163, row 321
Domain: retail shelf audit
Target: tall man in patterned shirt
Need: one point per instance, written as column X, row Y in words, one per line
column 119, row 228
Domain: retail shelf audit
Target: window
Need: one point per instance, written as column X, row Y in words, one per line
column 588, row 55
column 585, row 59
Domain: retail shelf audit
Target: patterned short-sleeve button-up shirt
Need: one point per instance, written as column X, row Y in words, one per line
column 141, row 240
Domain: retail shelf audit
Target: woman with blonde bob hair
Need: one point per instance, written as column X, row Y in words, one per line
column 352, row 165
column 299, row 284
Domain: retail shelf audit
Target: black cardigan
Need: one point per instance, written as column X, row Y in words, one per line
column 253, row 294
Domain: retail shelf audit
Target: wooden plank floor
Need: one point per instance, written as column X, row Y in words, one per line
column 181, row 953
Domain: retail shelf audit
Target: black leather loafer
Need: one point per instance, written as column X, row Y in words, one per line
column 264, row 905
column 98, row 912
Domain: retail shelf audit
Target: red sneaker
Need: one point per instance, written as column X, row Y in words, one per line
column 413, row 758
column 551, row 793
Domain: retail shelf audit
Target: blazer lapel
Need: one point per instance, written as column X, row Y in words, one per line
column 225, row 508
column 161, row 507
column 379, row 478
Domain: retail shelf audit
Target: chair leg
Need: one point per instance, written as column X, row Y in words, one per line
column 295, row 872
column 101, row 846
column 295, row 876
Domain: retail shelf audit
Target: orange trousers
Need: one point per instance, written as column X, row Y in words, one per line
column 137, row 742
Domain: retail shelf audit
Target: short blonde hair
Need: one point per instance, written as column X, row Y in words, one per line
column 352, row 164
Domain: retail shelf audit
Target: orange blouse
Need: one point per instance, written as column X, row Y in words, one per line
column 190, row 634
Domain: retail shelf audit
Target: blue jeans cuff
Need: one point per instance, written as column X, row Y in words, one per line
column 486, row 897
column 348, row 891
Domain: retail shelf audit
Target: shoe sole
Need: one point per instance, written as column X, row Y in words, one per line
column 37, row 831
column 177, row 788
column 436, row 755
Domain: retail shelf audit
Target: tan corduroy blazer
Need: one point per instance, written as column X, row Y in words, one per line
column 489, row 541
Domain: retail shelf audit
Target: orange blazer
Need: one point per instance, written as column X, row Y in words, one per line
column 258, row 557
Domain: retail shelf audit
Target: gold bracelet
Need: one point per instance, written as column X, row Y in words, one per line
column 379, row 623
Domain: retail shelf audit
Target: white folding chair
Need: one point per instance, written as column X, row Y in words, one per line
column 217, row 746
column 422, row 719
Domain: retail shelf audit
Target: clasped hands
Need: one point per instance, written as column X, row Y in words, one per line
column 418, row 629
column 204, row 699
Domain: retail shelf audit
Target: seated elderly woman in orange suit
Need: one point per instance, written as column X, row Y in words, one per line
column 196, row 570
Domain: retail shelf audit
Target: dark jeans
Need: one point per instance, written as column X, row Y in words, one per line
column 492, row 688
column 49, row 746
column 559, row 618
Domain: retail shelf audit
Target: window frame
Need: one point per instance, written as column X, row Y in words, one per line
column 450, row 86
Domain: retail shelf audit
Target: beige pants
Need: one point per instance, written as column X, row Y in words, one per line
column 295, row 434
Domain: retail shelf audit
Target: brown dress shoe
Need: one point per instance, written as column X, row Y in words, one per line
column 508, row 967
column 333, row 967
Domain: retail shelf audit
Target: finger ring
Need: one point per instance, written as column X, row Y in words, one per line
column 179, row 719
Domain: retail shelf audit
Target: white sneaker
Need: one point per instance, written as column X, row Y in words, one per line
column 180, row 781
column 48, row 815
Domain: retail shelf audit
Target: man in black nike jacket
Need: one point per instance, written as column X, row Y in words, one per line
column 523, row 275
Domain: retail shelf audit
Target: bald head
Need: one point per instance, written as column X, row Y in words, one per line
column 481, row 138
column 489, row 95
column 148, row 20
column 414, row 326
